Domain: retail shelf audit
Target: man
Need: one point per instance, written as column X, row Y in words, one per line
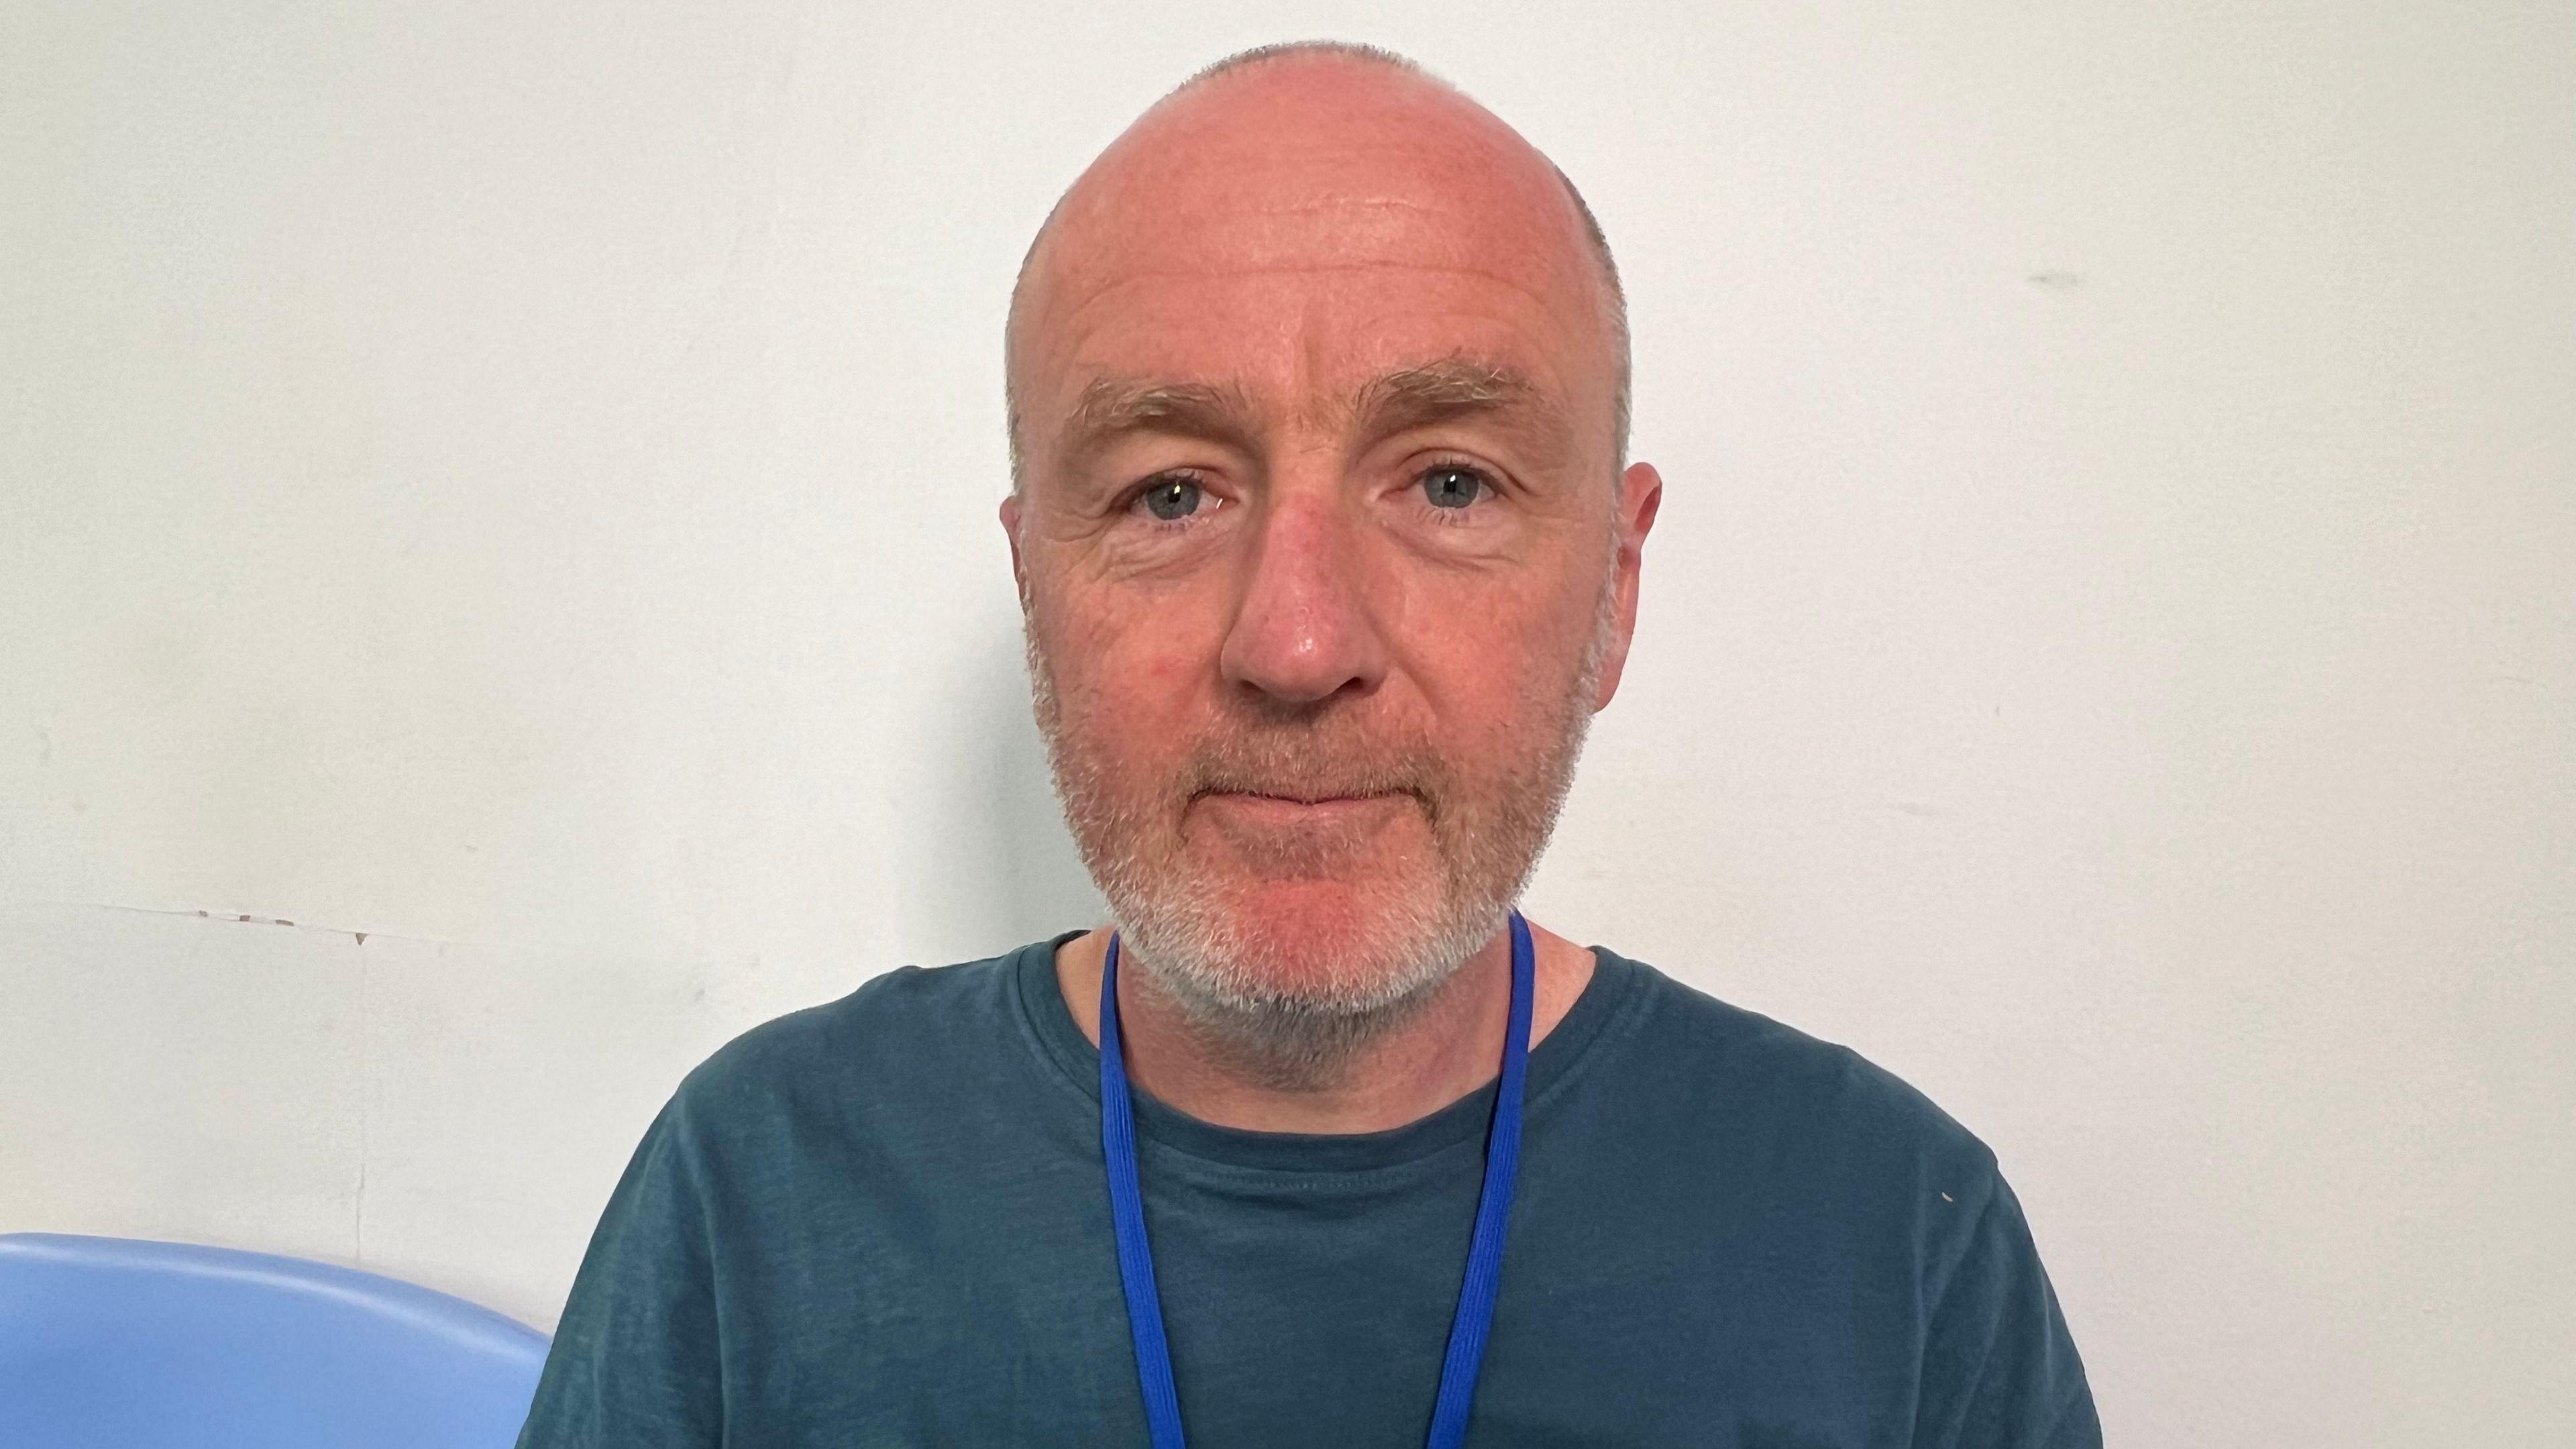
column 1326, row 555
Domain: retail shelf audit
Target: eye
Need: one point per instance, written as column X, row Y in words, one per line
column 1450, row 486
column 1173, row 498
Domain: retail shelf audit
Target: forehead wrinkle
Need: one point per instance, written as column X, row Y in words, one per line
column 1105, row 279
column 1071, row 310
column 1123, row 276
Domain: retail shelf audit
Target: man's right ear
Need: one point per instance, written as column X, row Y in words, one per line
column 1011, row 531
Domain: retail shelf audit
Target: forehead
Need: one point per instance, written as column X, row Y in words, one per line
column 1292, row 241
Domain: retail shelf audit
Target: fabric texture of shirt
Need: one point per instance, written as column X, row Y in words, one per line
column 885, row 1221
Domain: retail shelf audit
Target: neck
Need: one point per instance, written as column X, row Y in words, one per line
column 1445, row 1047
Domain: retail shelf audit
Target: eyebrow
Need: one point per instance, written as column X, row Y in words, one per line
column 1460, row 387
column 1393, row 402
column 1112, row 407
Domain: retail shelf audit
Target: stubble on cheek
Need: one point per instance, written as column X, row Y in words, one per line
column 1103, row 745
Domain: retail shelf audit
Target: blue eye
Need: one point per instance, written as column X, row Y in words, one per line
column 1173, row 499
column 1450, row 487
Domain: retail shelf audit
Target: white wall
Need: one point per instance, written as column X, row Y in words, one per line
column 515, row 481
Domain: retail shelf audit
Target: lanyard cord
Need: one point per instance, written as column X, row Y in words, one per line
column 1475, row 1315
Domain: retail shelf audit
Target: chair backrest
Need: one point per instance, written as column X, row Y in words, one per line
column 111, row 1341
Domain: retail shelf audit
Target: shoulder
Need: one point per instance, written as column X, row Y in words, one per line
column 898, row 1036
column 1874, row 1197
column 896, row 1011
column 1776, row 1094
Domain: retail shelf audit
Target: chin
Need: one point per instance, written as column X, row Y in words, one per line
column 1317, row 911
column 1321, row 945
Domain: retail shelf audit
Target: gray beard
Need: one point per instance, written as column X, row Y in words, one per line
column 1283, row 1042
column 1220, row 978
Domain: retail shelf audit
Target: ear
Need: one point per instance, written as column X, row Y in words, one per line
column 1011, row 531
column 1641, row 493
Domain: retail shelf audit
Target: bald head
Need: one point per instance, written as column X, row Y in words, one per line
column 1298, row 157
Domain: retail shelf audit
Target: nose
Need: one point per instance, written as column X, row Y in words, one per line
column 1304, row 631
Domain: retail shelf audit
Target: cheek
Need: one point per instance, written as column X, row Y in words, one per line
column 1492, row 664
column 1131, row 680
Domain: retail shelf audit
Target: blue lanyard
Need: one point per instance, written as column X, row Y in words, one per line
column 1475, row 1316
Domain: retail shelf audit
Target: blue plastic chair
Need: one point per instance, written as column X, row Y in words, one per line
column 113, row 1342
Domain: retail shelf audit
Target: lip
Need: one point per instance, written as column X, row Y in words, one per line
column 1290, row 810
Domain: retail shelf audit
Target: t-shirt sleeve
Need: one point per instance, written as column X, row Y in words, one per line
column 635, row 1362
column 1999, row 1368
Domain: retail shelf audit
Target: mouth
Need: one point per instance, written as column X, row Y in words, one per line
column 1296, row 807
column 1310, row 833
column 1300, row 797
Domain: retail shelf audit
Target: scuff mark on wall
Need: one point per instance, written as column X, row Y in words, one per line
column 245, row 918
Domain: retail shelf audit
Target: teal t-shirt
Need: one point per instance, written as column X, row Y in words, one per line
column 884, row 1221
